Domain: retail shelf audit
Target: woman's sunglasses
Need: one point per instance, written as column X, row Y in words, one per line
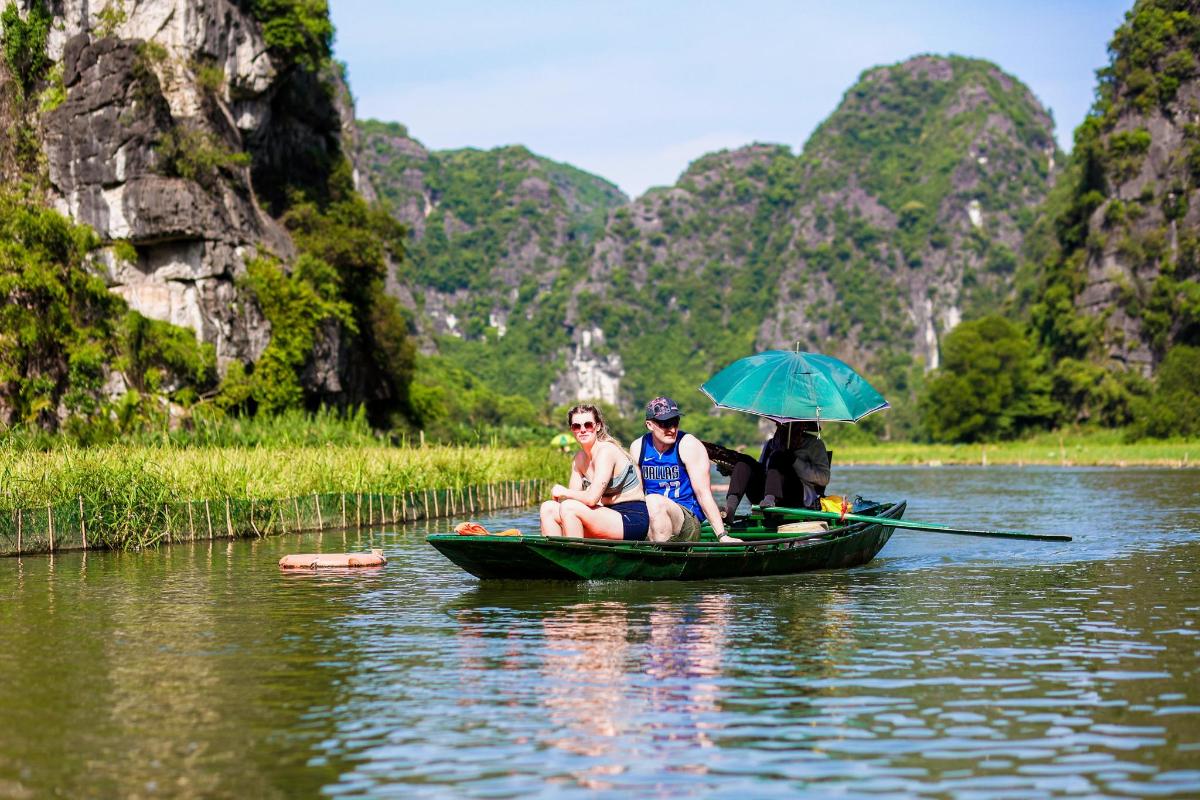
column 583, row 426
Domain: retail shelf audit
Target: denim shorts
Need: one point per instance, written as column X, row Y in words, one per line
column 635, row 519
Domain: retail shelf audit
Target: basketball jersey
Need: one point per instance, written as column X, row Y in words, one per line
column 665, row 474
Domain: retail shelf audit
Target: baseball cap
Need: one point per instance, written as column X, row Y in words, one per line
column 661, row 408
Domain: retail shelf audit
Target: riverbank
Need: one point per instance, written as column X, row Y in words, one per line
column 1090, row 450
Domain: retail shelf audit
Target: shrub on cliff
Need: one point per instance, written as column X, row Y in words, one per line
column 298, row 31
column 25, row 44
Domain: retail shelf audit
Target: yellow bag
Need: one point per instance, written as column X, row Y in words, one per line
column 833, row 504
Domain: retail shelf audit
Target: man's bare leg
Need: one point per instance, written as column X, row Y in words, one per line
column 666, row 517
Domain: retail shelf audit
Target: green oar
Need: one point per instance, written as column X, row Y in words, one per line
column 805, row 513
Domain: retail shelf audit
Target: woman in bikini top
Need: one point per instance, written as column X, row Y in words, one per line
column 604, row 499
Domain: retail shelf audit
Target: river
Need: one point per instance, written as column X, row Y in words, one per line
column 947, row 667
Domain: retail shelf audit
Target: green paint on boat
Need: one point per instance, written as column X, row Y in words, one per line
column 764, row 552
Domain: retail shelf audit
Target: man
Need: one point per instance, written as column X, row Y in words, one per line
column 675, row 475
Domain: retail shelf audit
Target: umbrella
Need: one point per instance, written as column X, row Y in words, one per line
column 789, row 386
column 561, row 440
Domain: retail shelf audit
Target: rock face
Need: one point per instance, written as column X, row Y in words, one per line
column 175, row 130
column 1140, row 150
column 482, row 222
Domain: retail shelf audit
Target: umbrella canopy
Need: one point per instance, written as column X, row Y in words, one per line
column 561, row 440
column 789, row 386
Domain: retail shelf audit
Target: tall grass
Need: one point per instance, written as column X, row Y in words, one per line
column 1097, row 448
column 136, row 496
column 135, row 475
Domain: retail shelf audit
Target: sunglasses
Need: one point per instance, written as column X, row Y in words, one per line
column 583, row 426
column 673, row 422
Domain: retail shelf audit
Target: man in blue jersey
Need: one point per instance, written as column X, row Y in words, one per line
column 675, row 475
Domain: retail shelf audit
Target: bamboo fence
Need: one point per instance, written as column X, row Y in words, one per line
column 76, row 526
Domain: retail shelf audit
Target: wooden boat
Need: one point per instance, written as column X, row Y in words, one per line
column 765, row 551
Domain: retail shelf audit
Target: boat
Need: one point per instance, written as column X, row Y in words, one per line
column 768, row 548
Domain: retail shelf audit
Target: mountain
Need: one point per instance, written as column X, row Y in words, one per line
column 497, row 239
column 905, row 211
column 1118, row 281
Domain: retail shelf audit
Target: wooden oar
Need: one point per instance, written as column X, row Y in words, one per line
column 805, row 513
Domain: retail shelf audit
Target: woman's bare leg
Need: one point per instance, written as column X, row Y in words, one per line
column 551, row 514
column 579, row 520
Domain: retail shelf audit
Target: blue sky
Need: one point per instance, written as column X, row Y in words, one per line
column 634, row 91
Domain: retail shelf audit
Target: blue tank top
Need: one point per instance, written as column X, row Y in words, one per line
column 664, row 473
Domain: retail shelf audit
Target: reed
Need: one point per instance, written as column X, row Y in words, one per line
column 128, row 497
column 121, row 476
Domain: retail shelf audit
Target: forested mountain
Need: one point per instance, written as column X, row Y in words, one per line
column 497, row 241
column 1118, row 278
column 905, row 210
column 188, row 221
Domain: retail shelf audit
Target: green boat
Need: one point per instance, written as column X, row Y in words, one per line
column 764, row 551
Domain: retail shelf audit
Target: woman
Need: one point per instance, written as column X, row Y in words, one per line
column 792, row 472
column 604, row 499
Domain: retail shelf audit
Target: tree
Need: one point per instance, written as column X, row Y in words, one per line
column 990, row 385
column 1174, row 408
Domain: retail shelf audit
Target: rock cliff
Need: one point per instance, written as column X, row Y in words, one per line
column 176, row 133
column 1140, row 173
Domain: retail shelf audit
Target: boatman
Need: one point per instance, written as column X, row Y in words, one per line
column 675, row 470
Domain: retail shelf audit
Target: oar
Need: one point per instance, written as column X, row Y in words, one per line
column 916, row 526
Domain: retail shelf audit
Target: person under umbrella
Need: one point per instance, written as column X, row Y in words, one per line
column 792, row 471
column 798, row 391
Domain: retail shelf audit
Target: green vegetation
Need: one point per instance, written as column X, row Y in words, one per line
column 1066, row 448
column 63, row 335
column 111, row 17
column 1173, row 409
column 347, row 248
column 132, row 497
column 297, row 31
column 490, row 210
column 988, row 387
column 1151, row 54
column 167, row 474
column 25, row 44
column 197, row 155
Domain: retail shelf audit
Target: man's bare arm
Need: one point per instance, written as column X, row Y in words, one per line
column 695, row 461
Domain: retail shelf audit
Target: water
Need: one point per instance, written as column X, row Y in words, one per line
column 948, row 667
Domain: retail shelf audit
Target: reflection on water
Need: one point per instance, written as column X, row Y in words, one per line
column 947, row 667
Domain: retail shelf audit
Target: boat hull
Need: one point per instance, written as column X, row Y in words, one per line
column 556, row 558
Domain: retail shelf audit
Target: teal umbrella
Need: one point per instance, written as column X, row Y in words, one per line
column 789, row 386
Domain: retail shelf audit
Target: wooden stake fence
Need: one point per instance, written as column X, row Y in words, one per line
column 75, row 525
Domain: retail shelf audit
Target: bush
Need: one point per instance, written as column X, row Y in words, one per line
column 1173, row 410
column 297, row 31
column 25, row 44
column 197, row 155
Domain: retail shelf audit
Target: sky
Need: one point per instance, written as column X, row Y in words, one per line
column 635, row 91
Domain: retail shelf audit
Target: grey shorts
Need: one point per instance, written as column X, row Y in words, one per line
column 690, row 532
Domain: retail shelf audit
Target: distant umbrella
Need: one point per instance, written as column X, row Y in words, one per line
column 561, row 440
column 788, row 386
